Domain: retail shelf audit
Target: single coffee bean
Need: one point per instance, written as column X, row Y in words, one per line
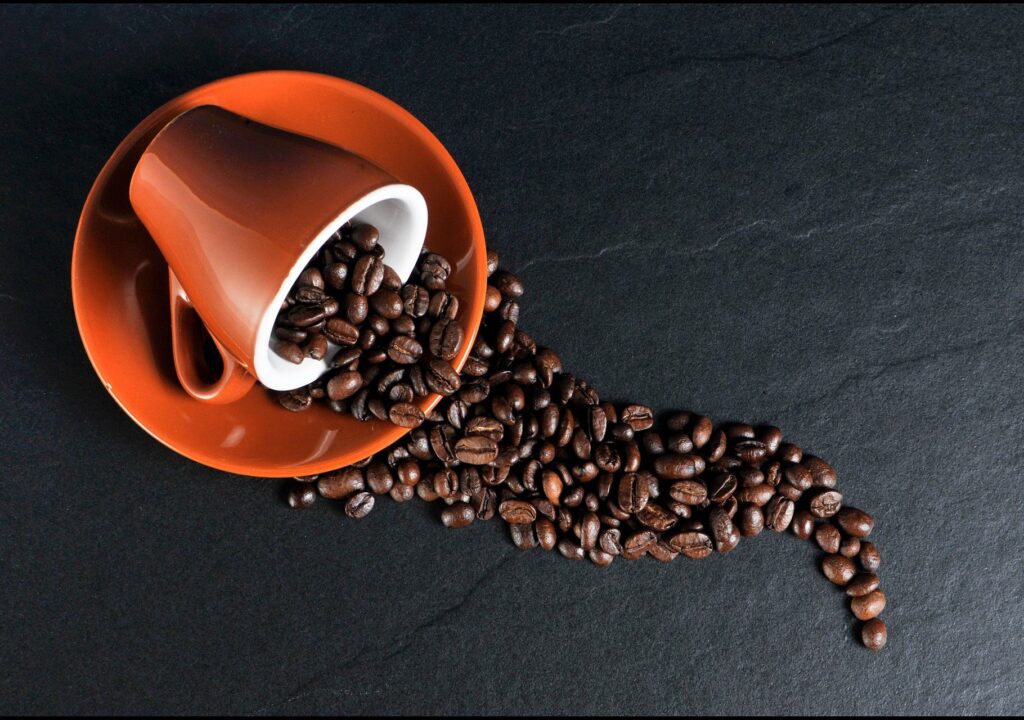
column 752, row 452
column 678, row 467
column 434, row 271
column 656, row 517
column 315, row 347
column 723, row 532
column 610, row 541
column 517, row 512
column 638, row 417
column 874, row 634
column 379, row 478
column 788, row 491
column 750, row 520
column 391, row 280
column 826, row 503
column 690, row 492
column 838, row 569
column 387, row 304
column 290, row 351
column 849, row 547
column 862, row 584
column 547, row 536
column 341, row 332
column 773, row 473
column 822, row 474
column 600, row 558
column 778, row 513
column 701, row 431
column 771, row 437
column 305, row 315
column 570, row 550
column 405, row 414
column 367, row 275
column 798, row 476
column 290, row 334
column 739, row 431
column 401, row 493
column 693, row 544
column 721, row 486
column 344, row 385
column 508, row 284
column 341, row 483
column 788, row 452
column 855, row 522
column 662, row 552
column 637, row 544
column 590, row 527
column 458, row 515
column 634, row 492
column 758, row 495
column 868, row 606
column 828, row 538
column 359, row 505
column 336, row 274
column 295, row 400
column 404, row 350
column 311, row 277
column 679, row 443
column 364, row 237
column 747, row 476
column 803, row 523
column 309, row 295
column 715, row 448
column 869, row 557
column 476, row 450
column 301, row 495
column 445, row 339
column 441, row 377
column 523, row 537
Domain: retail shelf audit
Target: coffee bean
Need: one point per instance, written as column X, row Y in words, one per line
column 701, row 432
column 405, row 414
column 771, row 437
column 874, row 634
column 634, row 492
column 315, row 347
column 638, row 417
column 476, row 450
column 295, row 400
column 758, row 495
column 750, row 520
column 773, row 474
column 301, row 495
column 855, row 522
column 336, row 274
column 459, row 515
column 679, row 443
column 826, row 503
column 364, row 237
column 803, row 523
column 290, row 352
column 869, row 557
column 691, row 492
column 723, row 532
column 662, row 552
column 637, row 544
column 344, row 385
column 508, row 284
column 867, row 607
column 828, row 538
column 600, row 558
column 367, row 275
column 656, row 517
column 798, row 476
column 693, row 544
column 517, row 512
column 305, row 315
column 849, row 547
column 434, row 271
column 445, row 339
column 547, row 536
column 341, row 332
column 788, row 452
column 862, row 584
column 752, row 452
column 359, row 505
column 838, row 569
column 340, row 483
column 590, row 527
column 778, row 513
column 401, row 493
column 788, row 491
column 678, row 467
column 523, row 537
column 311, row 277
column 440, row 377
column 822, row 474
column 404, row 350
column 721, row 486
column 289, row 334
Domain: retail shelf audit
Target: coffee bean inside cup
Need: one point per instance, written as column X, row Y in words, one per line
column 388, row 344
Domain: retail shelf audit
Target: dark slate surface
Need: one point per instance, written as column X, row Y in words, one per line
column 801, row 215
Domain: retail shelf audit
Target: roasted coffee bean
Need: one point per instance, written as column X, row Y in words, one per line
column 405, row 414
column 309, row 295
column 788, row 452
column 773, row 473
column 803, row 523
column 440, row 377
column 855, row 522
column 289, row 334
column 442, row 442
column 311, row 277
column 315, row 347
column 363, row 237
column 391, row 280
column 301, row 495
column 778, row 513
column 678, row 467
column 758, row 495
column 403, row 325
column 401, row 393
column 404, row 350
column 416, row 300
column 771, row 437
column 701, row 431
column 401, row 493
column 290, row 352
column 434, row 271
column 295, row 400
column 600, row 558
column 691, row 492
column 828, row 538
column 826, row 503
column 869, row 557
column 610, row 541
column 458, row 515
column 387, row 304
column 798, row 476
column 359, row 505
column 367, row 275
column 693, row 544
column 638, row 417
column 662, row 552
column 874, row 634
column 849, row 547
column 305, row 315
column 862, row 584
column 723, row 532
column 750, row 520
column 752, row 452
column 789, row 492
column 517, row 512
column 445, row 339
column 822, row 474
column 341, row 332
column 476, row 450
column 336, row 274
column 570, row 550
column 345, row 357
column 739, row 431
column 341, row 483
column 379, row 478
column 637, row 544
column 634, row 492
column 590, row 527
column 443, row 305
column 867, row 607
column 838, row 569
column 721, row 486
column 523, row 537
column 344, row 385
column 715, row 448
column 508, row 284
column 656, row 517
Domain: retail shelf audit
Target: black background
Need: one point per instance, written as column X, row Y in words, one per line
column 805, row 215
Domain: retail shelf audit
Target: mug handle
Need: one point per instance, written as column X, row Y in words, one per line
column 187, row 330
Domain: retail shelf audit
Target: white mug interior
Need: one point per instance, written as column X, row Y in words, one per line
column 399, row 212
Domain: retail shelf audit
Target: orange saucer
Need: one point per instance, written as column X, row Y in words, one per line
column 119, row 278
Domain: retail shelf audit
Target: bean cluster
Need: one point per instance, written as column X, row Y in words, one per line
column 522, row 439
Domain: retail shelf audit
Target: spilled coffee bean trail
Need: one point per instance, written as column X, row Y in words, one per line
column 517, row 437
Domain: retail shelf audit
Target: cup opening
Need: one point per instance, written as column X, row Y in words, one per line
column 399, row 213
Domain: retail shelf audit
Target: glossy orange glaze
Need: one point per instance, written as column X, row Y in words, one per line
column 120, row 286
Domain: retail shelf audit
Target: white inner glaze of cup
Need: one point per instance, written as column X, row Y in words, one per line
column 399, row 212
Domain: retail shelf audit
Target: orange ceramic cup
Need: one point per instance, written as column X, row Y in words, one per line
column 238, row 210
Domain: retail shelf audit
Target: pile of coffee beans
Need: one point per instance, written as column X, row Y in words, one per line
column 522, row 439
column 389, row 344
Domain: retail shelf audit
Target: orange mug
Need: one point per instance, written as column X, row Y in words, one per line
column 239, row 209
